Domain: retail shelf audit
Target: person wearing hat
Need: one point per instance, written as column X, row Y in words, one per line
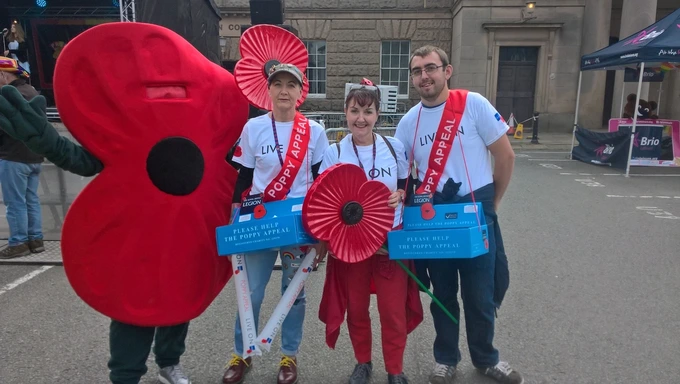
column 268, row 142
column 19, row 176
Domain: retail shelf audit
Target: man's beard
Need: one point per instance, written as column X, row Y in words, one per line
column 431, row 94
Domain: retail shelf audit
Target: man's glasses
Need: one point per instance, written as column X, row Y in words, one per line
column 429, row 69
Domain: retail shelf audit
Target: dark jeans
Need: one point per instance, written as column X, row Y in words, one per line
column 130, row 346
column 477, row 292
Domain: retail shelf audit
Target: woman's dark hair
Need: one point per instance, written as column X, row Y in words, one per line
column 364, row 96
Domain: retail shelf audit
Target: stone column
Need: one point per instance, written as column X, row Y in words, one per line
column 635, row 16
column 596, row 28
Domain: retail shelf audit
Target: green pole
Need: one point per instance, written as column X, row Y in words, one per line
column 414, row 277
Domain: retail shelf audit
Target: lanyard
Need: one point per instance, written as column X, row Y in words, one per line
column 276, row 141
column 371, row 173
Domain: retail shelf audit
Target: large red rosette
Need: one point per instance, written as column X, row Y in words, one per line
column 261, row 47
column 138, row 243
column 349, row 212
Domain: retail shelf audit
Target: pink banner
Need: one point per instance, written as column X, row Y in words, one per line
column 670, row 128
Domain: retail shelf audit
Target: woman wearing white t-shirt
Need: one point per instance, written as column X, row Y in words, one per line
column 268, row 142
column 348, row 286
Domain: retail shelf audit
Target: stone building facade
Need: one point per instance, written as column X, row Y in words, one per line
column 522, row 61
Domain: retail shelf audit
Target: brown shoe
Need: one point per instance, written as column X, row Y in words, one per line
column 237, row 368
column 36, row 246
column 287, row 371
column 13, row 251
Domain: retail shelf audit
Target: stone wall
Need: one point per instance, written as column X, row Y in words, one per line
column 353, row 36
column 353, row 43
column 471, row 32
column 485, row 25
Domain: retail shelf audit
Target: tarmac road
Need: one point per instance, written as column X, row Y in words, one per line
column 594, row 262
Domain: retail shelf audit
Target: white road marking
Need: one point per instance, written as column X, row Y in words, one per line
column 646, row 197
column 653, row 175
column 616, row 174
column 658, row 213
column 550, row 166
column 521, row 155
column 589, row 182
column 24, row 279
column 552, row 160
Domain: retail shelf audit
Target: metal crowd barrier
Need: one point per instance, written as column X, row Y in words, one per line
column 336, row 124
column 52, row 114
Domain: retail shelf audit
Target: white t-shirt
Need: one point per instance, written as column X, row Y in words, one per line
column 257, row 149
column 388, row 169
column 480, row 126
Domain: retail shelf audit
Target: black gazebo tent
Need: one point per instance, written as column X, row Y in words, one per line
column 653, row 46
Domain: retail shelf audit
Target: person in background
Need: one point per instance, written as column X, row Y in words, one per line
column 19, row 176
column 17, row 47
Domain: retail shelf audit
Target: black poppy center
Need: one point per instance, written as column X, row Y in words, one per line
column 268, row 65
column 352, row 213
column 175, row 166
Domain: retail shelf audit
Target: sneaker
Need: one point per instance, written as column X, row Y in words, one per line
column 13, row 251
column 36, row 246
column 287, row 371
column 502, row 373
column 173, row 375
column 236, row 370
column 361, row 374
column 443, row 374
column 397, row 379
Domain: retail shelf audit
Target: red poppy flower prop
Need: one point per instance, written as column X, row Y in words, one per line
column 348, row 211
column 261, row 47
column 138, row 243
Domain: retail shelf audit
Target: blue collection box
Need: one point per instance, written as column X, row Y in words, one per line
column 444, row 216
column 279, row 225
column 450, row 232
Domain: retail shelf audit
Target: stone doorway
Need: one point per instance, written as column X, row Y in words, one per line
column 516, row 81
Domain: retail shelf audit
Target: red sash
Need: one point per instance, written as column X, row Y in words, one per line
column 443, row 141
column 297, row 149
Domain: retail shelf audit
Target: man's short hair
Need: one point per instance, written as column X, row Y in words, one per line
column 426, row 50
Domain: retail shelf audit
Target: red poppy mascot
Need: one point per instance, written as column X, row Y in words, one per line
column 156, row 120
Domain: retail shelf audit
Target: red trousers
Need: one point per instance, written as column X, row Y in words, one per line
column 391, row 285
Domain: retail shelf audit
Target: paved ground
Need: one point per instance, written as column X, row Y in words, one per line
column 594, row 259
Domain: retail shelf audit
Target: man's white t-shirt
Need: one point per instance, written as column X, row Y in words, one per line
column 388, row 169
column 480, row 126
column 257, row 149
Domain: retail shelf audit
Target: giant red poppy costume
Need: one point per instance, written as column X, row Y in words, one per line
column 161, row 118
column 156, row 120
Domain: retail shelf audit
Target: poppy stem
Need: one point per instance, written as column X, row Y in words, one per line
column 414, row 277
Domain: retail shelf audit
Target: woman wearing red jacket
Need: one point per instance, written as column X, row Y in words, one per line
column 382, row 159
